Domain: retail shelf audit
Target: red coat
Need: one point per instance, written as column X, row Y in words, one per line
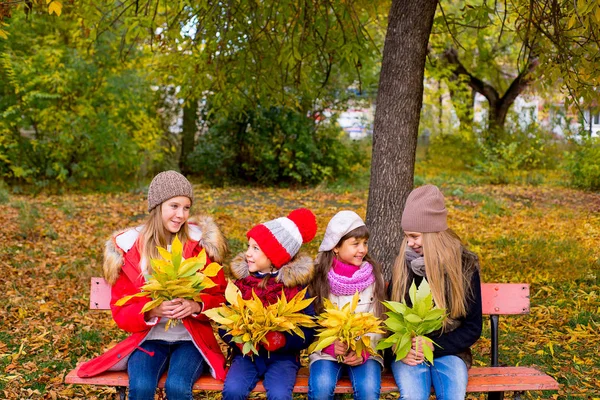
column 128, row 317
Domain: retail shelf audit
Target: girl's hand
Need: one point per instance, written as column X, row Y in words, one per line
column 353, row 359
column 164, row 310
column 174, row 309
column 340, row 348
column 185, row 308
column 415, row 356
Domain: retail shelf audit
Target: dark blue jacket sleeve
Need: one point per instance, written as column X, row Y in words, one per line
column 469, row 331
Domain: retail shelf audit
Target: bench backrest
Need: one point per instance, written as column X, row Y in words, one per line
column 497, row 298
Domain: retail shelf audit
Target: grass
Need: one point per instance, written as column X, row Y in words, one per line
column 542, row 234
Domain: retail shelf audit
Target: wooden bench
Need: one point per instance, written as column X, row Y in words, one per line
column 498, row 299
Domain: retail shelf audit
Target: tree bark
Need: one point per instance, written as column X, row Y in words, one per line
column 396, row 126
column 188, row 133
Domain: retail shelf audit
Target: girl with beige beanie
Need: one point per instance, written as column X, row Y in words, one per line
column 435, row 253
column 182, row 351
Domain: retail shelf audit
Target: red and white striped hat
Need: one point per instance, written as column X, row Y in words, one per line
column 280, row 239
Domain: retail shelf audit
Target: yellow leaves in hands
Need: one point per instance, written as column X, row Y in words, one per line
column 346, row 326
column 173, row 277
column 54, row 7
column 249, row 321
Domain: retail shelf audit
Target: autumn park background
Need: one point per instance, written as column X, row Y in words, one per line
column 246, row 99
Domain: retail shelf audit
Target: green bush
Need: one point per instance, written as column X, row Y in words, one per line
column 583, row 165
column 275, row 145
column 516, row 155
column 455, row 151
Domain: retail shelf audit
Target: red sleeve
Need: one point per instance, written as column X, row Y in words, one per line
column 213, row 297
column 128, row 316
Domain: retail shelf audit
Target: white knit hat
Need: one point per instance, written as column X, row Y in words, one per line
column 341, row 224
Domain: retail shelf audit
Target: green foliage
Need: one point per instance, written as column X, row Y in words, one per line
column 71, row 112
column 406, row 322
column 4, row 195
column 583, row 164
column 275, row 145
column 456, row 152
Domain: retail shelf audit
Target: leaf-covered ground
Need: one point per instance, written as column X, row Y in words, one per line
column 50, row 246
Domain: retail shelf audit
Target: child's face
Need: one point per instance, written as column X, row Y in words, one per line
column 175, row 212
column 352, row 251
column 256, row 259
column 414, row 240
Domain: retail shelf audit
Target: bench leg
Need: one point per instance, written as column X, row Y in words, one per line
column 122, row 391
column 496, row 396
column 517, row 395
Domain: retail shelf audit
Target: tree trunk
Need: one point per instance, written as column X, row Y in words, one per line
column 396, row 127
column 188, row 133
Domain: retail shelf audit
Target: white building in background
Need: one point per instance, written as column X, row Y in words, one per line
column 530, row 109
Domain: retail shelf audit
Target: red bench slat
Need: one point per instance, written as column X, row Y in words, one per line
column 481, row 379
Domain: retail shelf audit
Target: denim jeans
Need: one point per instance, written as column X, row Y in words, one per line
column 279, row 377
column 324, row 374
column 448, row 375
column 184, row 361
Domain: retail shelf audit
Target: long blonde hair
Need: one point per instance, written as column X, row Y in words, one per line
column 319, row 285
column 154, row 234
column 449, row 282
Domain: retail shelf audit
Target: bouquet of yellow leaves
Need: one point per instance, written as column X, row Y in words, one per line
column 249, row 321
column 173, row 277
column 346, row 326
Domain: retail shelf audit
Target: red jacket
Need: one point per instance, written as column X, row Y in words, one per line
column 129, row 280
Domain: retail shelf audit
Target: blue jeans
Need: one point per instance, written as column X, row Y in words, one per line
column 448, row 375
column 279, row 377
column 324, row 374
column 185, row 365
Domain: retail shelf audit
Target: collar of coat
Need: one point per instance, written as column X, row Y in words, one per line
column 299, row 271
column 202, row 229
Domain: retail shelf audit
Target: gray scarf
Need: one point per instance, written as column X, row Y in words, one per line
column 416, row 261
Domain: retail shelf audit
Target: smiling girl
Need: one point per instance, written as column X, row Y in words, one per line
column 185, row 349
column 342, row 268
column 430, row 251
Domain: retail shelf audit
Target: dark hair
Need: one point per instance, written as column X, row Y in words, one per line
column 319, row 286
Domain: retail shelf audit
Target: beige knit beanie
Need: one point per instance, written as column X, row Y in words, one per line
column 425, row 211
column 166, row 185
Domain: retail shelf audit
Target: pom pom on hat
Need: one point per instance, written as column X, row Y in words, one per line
column 425, row 210
column 280, row 239
column 341, row 224
column 166, row 185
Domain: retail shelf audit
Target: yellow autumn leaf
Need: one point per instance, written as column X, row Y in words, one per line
column 55, row 7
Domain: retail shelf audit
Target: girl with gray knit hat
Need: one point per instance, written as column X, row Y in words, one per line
column 432, row 251
column 185, row 350
column 342, row 268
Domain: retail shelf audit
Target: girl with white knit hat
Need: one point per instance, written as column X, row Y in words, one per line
column 342, row 268
column 430, row 251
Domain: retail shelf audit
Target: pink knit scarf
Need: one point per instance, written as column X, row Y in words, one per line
column 346, row 286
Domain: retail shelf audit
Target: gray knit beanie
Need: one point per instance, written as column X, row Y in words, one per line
column 425, row 211
column 166, row 185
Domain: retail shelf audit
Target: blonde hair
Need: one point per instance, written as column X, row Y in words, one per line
column 155, row 234
column 450, row 285
column 319, row 285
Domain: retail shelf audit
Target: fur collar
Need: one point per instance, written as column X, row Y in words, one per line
column 299, row 271
column 202, row 228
